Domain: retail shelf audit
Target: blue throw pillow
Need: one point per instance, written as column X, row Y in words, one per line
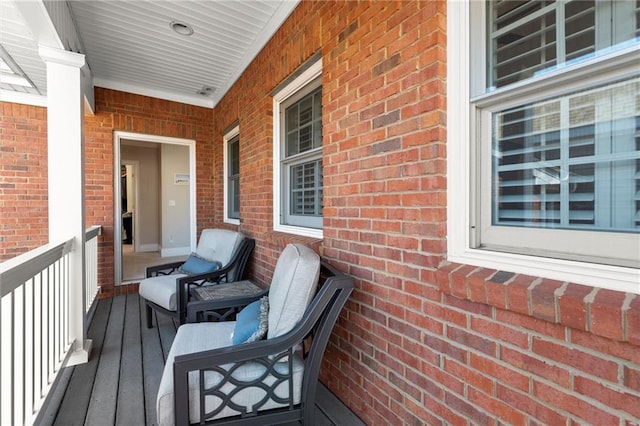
column 195, row 265
column 251, row 322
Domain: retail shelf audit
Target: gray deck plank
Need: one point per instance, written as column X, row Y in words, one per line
column 102, row 405
column 337, row 413
column 152, row 363
column 126, row 366
column 73, row 407
column 131, row 398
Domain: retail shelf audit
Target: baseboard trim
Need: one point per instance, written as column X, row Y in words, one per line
column 177, row 251
column 149, row 247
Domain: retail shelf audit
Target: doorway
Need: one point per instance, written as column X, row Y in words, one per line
column 154, row 200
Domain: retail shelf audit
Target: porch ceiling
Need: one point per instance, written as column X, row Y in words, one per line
column 130, row 45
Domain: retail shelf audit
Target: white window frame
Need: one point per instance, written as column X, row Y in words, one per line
column 461, row 171
column 226, row 138
column 313, row 72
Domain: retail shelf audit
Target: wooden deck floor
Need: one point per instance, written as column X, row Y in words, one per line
column 118, row 386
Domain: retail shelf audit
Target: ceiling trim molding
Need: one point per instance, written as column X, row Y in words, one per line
column 23, row 98
column 152, row 93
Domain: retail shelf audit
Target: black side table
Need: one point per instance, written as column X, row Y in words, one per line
column 218, row 302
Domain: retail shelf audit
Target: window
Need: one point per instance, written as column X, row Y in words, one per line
column 232, row 176
column 552, row 140
column 298, row 154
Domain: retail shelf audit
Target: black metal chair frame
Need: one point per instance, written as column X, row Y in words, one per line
column 318, row 322
column 233, row 271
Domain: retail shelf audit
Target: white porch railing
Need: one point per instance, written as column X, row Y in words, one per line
column 91, row 265
column 34, row 324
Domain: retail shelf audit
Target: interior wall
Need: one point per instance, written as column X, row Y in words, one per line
column 148, row 158
column 130, row 189
column 174, row 200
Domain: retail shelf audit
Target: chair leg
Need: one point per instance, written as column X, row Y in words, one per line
column 149, row 316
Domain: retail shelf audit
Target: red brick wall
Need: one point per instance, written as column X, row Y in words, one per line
column 422, row 341
column 98, row 146
column 23, row 179
column 138, row 114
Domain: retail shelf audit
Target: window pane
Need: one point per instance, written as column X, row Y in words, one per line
column 580, row 29
column 637, row 17
column 527, row 48
column 528, row 37
column 304, row 124
column 233, row 179
column 234, row 198
column 306, row 189
column 571, row 162
column 234, row 156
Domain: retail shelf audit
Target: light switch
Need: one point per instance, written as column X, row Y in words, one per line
column 172, row 203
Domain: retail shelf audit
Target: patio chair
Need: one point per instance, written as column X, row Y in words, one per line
column 221, row 256
column 209, row 380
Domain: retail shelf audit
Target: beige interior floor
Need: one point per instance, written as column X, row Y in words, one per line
column 134, row 265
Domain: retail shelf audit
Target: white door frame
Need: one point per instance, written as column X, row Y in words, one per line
column 118, row 136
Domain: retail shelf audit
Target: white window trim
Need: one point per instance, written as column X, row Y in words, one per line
column 226, row 138
column 459, row 173
column 314, row 71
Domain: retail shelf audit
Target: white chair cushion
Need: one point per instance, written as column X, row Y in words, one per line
column 218, row 244
column 161, row 290
column 292, row 288
column 214, row 245
column 205, row 336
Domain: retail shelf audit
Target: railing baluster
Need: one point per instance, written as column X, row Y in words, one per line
column 34, row 341
column 6, row 361
column 43, row 334
column 12, row 355
column 48, row 323
column 27, row 351
column 57, row 318
column 25, row 354
column 37, row 337
column 91, row 283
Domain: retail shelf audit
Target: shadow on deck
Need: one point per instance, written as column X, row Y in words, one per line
column 119, row 384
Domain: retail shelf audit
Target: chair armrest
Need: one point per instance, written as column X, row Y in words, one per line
column 164, row 269
column 274, row 355
column 217, row 276
column 236, row 354
column 195, row 308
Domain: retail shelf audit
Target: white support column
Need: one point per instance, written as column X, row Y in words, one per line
column 66, row 179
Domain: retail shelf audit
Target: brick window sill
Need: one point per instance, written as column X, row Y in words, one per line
column 606, row 313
